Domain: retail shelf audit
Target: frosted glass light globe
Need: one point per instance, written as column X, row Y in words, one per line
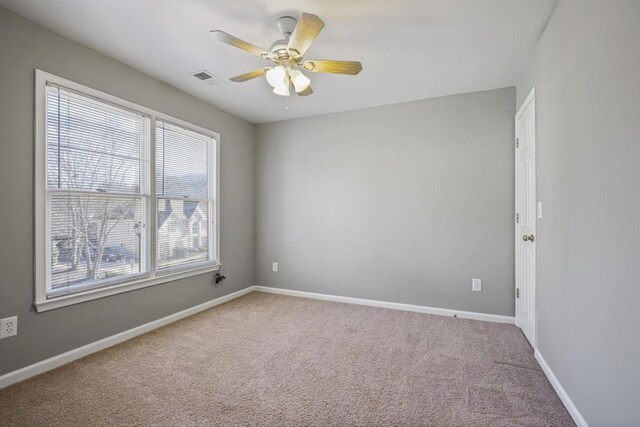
column 283, row 88
column 276, row 76
column 299, row 80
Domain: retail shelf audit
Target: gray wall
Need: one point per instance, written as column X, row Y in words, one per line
column 586, row 71
column 403, row 203
column 25, row 46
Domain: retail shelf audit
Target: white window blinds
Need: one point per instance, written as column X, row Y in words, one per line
column 125, row 196
column 97, row 191
column 185, row 189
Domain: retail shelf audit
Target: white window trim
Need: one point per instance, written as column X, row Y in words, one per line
column 42, row 303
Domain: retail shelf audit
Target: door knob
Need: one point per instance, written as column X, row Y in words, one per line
column 529, row 238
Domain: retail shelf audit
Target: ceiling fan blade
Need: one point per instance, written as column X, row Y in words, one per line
column 306, row 92
column 329, row 66
column 240, row 44
column 250, row 75
column 306, row 31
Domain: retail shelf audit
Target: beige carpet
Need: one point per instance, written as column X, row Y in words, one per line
column 282, row 361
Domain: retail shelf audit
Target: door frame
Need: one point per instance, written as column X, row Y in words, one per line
column 530, row 100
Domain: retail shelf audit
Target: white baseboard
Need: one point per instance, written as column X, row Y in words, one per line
column 392, row 305
column 64, row 358
column 562, row 393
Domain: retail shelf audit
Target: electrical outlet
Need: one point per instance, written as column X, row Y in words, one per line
column 8, row 327
column 476, row 285
column 274, row 267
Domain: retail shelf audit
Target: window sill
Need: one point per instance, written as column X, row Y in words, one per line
column 79, row 297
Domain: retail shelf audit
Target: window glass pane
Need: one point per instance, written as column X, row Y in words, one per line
column 93, row 145
column 181, row 162
column 183, row 232
column 95, row 240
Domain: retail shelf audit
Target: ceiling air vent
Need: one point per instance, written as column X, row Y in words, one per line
column 207, row 77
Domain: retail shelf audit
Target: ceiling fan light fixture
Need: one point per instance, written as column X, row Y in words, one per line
column 299, row 80
column 283, row 88
column 276, row 76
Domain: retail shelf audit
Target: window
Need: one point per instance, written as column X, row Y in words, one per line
column 184, row 199
column 109, row 217
column 97, row 191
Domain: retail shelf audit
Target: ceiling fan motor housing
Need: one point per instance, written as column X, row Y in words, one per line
column 279, row 45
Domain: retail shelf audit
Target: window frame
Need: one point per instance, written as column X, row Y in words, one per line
column 41, row 220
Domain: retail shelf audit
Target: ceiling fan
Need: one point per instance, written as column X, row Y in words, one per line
column 288, row 55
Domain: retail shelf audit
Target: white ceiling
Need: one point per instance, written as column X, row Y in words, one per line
column 410, row 49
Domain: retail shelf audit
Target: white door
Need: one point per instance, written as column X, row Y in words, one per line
column 526, row 210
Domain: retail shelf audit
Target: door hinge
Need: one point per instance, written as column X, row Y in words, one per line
column 517, row 142
column 517, row 292
column 517, row 218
